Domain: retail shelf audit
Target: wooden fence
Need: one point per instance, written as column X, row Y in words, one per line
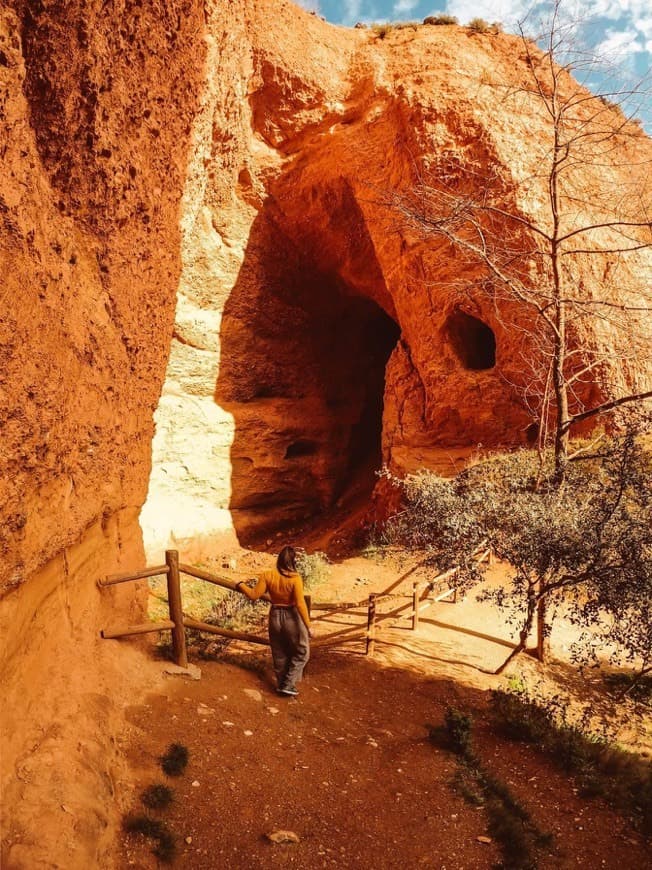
column 420, row 599
column 177, row 623
column 424, row 594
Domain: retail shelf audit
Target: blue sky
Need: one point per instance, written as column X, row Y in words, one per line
column 619, row 32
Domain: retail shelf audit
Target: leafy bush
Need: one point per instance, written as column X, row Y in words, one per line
column 587, row 541
column 381, row 30
column 478, row 25
column 237, row 612
column 175, row 760
column 458, row 727
column 165, row 849
column 315, row 568
column 157, row 797
column 440, row 19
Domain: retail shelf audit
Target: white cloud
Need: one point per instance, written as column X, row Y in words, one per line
column 603, row 25
column 617, row 34
column 512, row 11
column 310, row 5
column 403, row 6
column 351, row 12
column 616, row 44
column 644, row 26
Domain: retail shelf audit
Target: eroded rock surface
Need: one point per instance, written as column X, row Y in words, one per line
column 194, row 200
column 317, row 337
column 96, row 109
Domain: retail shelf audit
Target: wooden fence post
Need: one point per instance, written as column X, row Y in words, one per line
column 371, row 626
column 176, row 609
column 415, row 606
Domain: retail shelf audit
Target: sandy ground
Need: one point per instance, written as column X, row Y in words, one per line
column 347, row 766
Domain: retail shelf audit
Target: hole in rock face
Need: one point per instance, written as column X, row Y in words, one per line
column 532, row 433
column 304, row 378
column 302, row 447
column 473, row 342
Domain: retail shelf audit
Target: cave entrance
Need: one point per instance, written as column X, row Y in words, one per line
column 303, row 374
column 341, row 352
column 355, row 381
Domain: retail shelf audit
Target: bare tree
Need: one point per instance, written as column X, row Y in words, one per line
column 583, row 345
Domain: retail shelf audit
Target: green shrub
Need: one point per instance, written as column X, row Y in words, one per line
column 514, row 838
column 166, row 847
column 478, row 25
column 237, row 612
column 586, row 543
column 381, row 30
column 458, row 727
column 440, row 20
column 175, row 760
column 315, row 568
column 157, row 797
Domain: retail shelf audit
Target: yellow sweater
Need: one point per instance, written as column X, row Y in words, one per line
column 284, row 591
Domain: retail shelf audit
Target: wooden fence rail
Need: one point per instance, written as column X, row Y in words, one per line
column 112, row 579
column 178, row 622
column 417, row 602
column 420, row 600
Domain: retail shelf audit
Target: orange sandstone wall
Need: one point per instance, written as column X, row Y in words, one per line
column 97, row 104
column 316, row 335
column 97, row 113
column 194, row 238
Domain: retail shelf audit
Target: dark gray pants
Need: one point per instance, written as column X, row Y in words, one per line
column 290, row 644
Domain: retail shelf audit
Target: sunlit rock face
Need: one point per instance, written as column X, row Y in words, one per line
column 317, row 337
column 196, row 238
column 97, row 116
column 97, row 103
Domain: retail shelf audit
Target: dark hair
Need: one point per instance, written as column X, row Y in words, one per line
column 285, row 563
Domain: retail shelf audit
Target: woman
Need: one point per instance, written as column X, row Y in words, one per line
column 289, row 622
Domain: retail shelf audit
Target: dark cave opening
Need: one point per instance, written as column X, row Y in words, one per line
column 378, row 335
column 303, row 374
column 473, row 342
column 306, row 336
column 349, row 339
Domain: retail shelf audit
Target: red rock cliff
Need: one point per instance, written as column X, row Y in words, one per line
column 194, row 200
column 317, row 336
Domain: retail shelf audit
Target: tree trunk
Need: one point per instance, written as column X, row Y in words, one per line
column 524, row 633
column 543, row 640
column 560, row 384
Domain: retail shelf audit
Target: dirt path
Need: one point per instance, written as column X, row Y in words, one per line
column 348, row 766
